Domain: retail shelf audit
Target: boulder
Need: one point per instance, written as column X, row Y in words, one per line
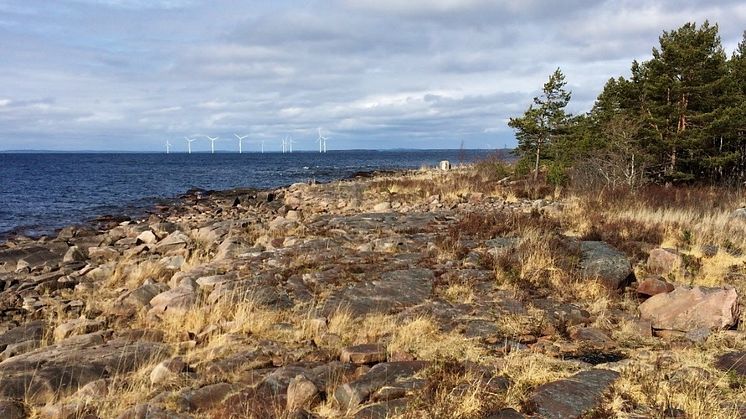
column 176, row 300
column 573, row 397
column 209, row 396
column 364, row 354
column 173, row 242
column 301, row 393
column 664, row 262
column 77, row 327
column 102, row 254
column 686, row 309
column 444, row 165
column 734, row 362
column 147, row 237
column 167, row 370
column 652, row 286
column 605, row 263
column 352, row 394
column 12, row 409
column 73, row 254
column 382, row 207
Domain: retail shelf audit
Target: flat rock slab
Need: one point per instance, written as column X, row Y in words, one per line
column 351, row 395
column 383, row 410
column 29, row 331
column 733, row 362
column 395, row 291
column 42, row 375
column 572, row 397
column 603, row 262
column 686, row 309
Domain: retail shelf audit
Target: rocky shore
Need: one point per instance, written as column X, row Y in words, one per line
column 415, row 294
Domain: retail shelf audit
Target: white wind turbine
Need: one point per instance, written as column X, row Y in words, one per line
column 284, row 144
column 322, row 142
column 212, row 142
column 168, row 147
column 189, row 143
column 240, row 140
column 262, row 146
column 290, row 143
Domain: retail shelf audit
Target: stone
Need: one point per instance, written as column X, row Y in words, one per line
column 56, row 371
column 605, row 263
column 73, row 254
column 40, row 258
column 71, row 410
column 77, row 327
column 734, row 362
column 507, row 413
column 352, row 394
column 686, row 309
column 174, row 301
column 591, row 335
column 572, row 397
column 32, row 331
column 664, row 262
column 102, row 254
column 142, row 295
column 209, row 396
column 167, row 370
column 395, row 291
column 364, row 354
column 382, row 207
column 173, row 242
column 651, row 286
column 301, row 393
column 382, row 410
column 12, row 409
column 94, row 390
column 146, row 237
column 444, row 165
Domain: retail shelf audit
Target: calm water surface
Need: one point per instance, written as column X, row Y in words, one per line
column 43, row 192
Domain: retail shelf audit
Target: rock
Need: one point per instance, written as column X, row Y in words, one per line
column 383, row 410
column 11, row 409
column 686, row 309
column 71, row 410
column 352, row 394
column 94, row 390
column 444, row 165
column 209, row 396
column 651, row 286
column 142, row 295
column 572, row 397
column 56, row 371
column 102, row 254
column 173, row 242
column 605, row 263
column 395, row 291
column 36, row 259
column 382, row 207
column 173, row 301
column 167, row 370
column 146, row 237
column 664, row 262
column 230, row 248
column 32, row 331
column 364, row 354
column 507, row 413
column 77, row 327
column 73, row 254
column 738, row 214
column 301, row 393
column 591, row 335
column 734, row 362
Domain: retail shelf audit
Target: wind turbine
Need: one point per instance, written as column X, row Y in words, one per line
column 212, row 142
column 168, row 147
column 284, row 144
column 322, row 142
column 290, row 143
column 189, row 143
column 240, row 140
column 262, row 146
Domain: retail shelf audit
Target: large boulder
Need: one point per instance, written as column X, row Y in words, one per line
column 351, row 395
column 686, row 309
column 603, row 262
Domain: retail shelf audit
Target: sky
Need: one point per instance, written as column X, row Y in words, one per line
column 373, row 74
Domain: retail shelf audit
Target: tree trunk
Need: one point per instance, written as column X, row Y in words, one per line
column 536, row 163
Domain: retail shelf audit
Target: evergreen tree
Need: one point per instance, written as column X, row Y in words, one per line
column 543, row 122
column 683, row 84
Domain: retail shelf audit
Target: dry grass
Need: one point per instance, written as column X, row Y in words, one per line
column 423, row 338
column 526, row 371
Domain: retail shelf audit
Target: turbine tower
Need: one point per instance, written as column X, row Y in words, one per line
column 262, row 146
column 290, row 143
column 189, row 143
column 284, row 145
column 212, row 142
column 240, row 140
column 168, row 147
column 322, row 142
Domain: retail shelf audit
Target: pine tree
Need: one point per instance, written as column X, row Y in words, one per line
column 682, row 86
column 543, row 122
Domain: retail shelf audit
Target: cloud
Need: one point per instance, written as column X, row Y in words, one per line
column 380, row 73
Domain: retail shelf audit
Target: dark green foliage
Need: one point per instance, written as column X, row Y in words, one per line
column 680, row 117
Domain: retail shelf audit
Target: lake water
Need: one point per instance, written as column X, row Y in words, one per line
column 43, row 192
